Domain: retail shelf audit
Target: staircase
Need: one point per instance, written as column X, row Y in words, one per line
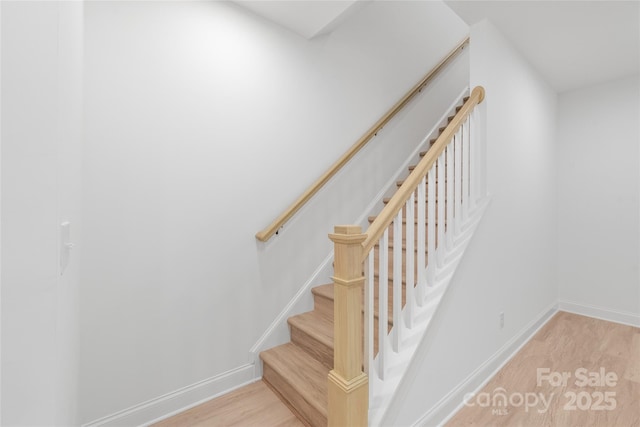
column 297, row 371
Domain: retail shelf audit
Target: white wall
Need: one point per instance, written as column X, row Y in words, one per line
column 598, row 181
column 41, row 139
column 510, row 265
column 203, row 123
column 0, row 213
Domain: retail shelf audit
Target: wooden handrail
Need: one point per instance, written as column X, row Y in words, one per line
column 385, row 218
column 266, row 233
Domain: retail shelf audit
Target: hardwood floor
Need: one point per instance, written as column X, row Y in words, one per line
column 605, row 355
column 600, row 362
column 254, row 405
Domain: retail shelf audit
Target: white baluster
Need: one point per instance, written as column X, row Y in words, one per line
column 383, row 302
column 469, row 160
column 397, row 282
column 442, row 203
column 457, row 181
column 482, row 144
column 431, row 226
column 470, row 149
column 477, row 145
column 410, row 258
column 369, row 283
column 473, row 163
column 466, row 196
column 422, row 219
column 450, row 195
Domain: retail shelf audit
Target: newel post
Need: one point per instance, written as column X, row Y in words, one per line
column 348, row 386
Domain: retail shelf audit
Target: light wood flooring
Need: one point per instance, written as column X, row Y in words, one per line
column 567, row 343
column 254, row 405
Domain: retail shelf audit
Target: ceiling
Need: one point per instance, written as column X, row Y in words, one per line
column 308, row 18
column 571, row 43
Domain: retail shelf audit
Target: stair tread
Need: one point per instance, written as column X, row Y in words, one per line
column 315, row 325
column 307, row 375
column 325, row 291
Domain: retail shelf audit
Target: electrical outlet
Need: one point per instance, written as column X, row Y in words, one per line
column 501, row 319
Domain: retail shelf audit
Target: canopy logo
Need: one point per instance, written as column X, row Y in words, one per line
column 501, row 402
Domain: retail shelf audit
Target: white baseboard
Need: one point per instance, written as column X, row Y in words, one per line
column 185, row 398
column 453, row 401
column 626, row 318
column 180, row 400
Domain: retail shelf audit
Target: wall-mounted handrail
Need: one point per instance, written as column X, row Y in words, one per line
column 270, row 230
column 385, row 218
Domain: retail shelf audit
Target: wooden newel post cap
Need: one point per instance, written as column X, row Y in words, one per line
column 347, row 234
column 347, row 229
column 347, row 243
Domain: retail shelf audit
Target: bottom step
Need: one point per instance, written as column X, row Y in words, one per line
column 299, row 380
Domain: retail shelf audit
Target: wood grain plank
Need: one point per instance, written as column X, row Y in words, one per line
column 299, row 379
column 313, row 333
column 254, row 405
column 567, row 342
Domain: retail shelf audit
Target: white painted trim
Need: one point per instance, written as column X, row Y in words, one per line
column 453, row 401
column 288, row 311
column 180, row 400
column 616, row 316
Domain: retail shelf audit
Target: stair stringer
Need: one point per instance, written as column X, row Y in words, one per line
column 402, row 364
